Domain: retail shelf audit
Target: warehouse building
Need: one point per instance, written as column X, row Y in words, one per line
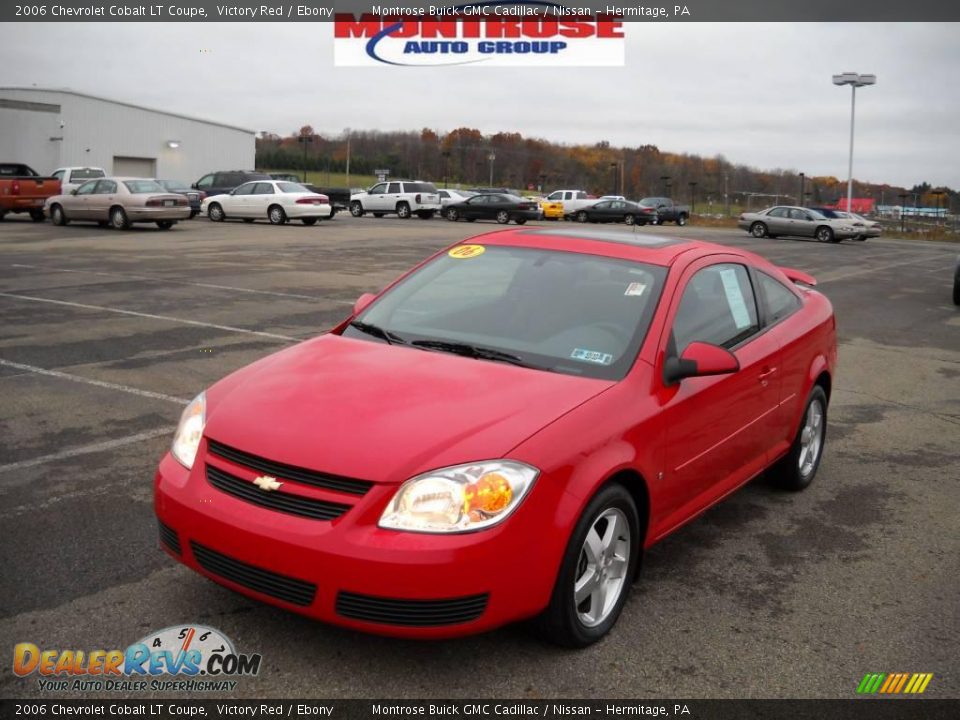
column 48, row 129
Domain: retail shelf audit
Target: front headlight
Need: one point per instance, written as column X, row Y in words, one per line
column 459, row 499
column 186, row 441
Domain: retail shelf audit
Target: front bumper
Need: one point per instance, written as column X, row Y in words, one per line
column 349, row 572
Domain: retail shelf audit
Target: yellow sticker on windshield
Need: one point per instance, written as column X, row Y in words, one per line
column 462, row 252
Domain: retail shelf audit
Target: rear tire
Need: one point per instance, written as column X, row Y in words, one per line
column 58, row 216
column 165, row 224
column 520, row 221
column 758, row 230
column 37, row 215
column 403, row 210
column 309, row 221
column 598, row 567
column 425, row 214
column 682, row 220
column 216, row 213
column 796, row 470
column 956, row 285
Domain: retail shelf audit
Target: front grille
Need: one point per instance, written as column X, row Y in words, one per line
column 412, row 613
column 169, row 537
column 289, row 472
column 282, row 587
column 274, row 499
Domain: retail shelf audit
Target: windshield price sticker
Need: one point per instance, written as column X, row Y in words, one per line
column 463, row 252
column 592, row 356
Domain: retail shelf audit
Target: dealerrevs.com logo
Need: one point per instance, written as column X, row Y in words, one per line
column 514, row 34
column 186, row 658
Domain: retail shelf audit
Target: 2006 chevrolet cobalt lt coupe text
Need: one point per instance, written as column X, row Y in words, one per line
column 500, row 433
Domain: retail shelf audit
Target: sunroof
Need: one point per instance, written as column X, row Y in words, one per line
column 625, row 238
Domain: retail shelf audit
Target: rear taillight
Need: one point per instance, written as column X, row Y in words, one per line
column 312, row 200
column 203, row 195
column 15, row 187
column 154, row 202
column 417, row 198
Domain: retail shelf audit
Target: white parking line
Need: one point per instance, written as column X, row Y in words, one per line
column 147, row 278
column 91, row 381
column 151, row 316
column 866, row 271
column 88, row 449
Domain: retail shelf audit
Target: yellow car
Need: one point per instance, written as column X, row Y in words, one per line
column 552, row 209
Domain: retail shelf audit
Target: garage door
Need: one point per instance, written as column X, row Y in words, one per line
column 134, row 167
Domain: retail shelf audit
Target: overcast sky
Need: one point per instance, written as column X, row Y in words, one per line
column 759, row 94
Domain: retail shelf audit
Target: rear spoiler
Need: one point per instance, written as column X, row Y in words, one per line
column 798, row 276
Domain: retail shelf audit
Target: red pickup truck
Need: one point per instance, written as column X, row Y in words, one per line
column 23, row 189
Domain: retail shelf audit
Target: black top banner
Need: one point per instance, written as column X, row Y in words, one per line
column 628, row 11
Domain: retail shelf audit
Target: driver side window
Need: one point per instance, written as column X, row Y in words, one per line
column 205, row 182
column 87, row 188
column 717, row 307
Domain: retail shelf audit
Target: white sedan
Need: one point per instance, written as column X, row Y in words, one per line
column 273, row 200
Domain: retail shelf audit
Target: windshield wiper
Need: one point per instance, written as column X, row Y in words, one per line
column 391, row 338
column 472, row 351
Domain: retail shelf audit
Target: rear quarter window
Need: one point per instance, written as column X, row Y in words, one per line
column 779, row 300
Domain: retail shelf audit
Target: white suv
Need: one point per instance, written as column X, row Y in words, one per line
column 403, row 197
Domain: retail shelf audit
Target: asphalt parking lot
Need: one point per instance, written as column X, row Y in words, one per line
column 104, row 336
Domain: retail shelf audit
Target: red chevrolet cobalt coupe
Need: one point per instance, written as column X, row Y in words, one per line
column 501, row 433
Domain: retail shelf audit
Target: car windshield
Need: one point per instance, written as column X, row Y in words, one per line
column 289, row 187
column 557, row 311
column 138, row 187
column 817, row 215
column 419, row 187
column 174, row 185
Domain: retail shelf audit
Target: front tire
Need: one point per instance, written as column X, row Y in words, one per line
column 215, row 213
column 825, row 234
column 582, row 216
column 956, row 285
column 758, row 230
column 356, row 209
column 309, row 221
column 453, row 214
column 425, row 214
column 796, row 470
column 276, row 215
column 630, row 220
column 37, row 215
column 682, row 220
column 596, row 572
column 119, row 219
column 164, row 224
column 58, row 216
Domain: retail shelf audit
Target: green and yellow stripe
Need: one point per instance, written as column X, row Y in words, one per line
column 894, row 683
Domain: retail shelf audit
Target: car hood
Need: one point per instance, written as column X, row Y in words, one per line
column 384, row 413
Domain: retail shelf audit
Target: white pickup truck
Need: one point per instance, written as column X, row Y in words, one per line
column 573, row 200
column 73, row 177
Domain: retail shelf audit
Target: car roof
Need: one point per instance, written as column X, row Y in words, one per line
column 627, row 245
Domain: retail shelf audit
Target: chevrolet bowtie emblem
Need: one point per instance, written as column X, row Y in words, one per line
column 265, row 482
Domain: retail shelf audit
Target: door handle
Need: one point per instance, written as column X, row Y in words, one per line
column 766, row 374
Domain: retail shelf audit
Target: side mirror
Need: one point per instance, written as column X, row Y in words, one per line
column 361, row 304
column 194, row 186
column 73, row 192
column 700, row 359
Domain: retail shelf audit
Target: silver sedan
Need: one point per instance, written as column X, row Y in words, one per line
column 799, row 222
column 118, row 202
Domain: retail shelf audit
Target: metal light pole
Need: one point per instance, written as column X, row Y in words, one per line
column 615, row 167
column 903, row 201
column 802, row 178
column 938, row 194
column 491, row 157
column 693, row 197
column 666, row 183
column 304, row 139
column 854, row 81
